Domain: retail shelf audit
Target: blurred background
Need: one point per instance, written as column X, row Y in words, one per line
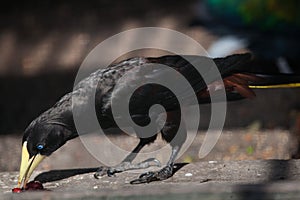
column 42, row 44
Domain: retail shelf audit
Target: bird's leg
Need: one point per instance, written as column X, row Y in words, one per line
column 160, row 175
column 174, row 132
column 127, row 164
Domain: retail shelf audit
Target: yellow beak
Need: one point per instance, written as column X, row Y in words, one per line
column 27, row 165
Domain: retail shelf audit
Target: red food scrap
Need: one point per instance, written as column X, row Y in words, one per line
column 31, row 186
column 16, row 190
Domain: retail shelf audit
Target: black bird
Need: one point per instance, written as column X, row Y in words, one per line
column 56, row 126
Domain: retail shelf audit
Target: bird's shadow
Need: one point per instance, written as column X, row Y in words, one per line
column 56, row 175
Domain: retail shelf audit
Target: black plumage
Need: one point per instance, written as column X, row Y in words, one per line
column 60, row 118
column 56, row 126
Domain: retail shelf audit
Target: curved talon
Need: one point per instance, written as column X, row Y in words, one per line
column 146, row 178
column 96, row 175
column 111, row 172
column 140, row 181
column 147, row 174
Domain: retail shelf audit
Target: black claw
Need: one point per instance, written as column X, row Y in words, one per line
column 148, row 177
column 96, row 175
column 141, row 180
column 111, row 172
column 147, row 174
column 137, row 181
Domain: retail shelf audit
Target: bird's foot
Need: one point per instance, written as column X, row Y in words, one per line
column 160, row 175
column 125, row 166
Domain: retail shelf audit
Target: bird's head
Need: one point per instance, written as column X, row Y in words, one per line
column 39, row 140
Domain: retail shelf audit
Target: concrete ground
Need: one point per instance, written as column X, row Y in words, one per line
column 245, row 164
column 272, row 179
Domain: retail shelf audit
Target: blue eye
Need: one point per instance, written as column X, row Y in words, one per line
column 40, row 147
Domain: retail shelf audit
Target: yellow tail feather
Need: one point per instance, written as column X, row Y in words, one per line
column 288, row 85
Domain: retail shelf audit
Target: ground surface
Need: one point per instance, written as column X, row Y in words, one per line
column 233, row 170
column 273, row 179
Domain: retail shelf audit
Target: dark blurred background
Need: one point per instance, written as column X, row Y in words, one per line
column 42, row 44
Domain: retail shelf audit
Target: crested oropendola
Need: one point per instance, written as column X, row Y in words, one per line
column 56, row 126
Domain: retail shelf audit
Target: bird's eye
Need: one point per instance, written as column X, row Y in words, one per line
column 40, row 147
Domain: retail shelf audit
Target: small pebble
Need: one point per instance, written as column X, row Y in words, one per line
column 212, row 162
column 188, row 174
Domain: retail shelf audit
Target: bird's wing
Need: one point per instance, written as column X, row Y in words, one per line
column 120, row 81
column 143, row 97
